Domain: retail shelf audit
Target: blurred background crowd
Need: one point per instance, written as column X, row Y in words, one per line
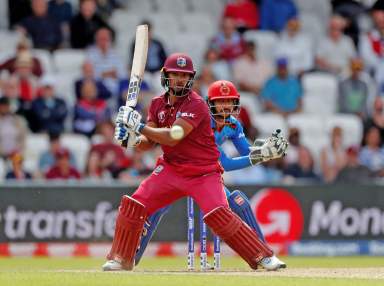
column 314, row 68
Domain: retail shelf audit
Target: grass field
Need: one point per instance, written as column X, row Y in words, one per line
column 172, row 271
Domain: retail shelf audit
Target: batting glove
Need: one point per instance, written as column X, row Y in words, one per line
column 130, row 118
column 273, row 147
column 123, row 134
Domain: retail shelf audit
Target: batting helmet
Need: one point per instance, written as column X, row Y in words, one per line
column 223, row 89
column 178, row 62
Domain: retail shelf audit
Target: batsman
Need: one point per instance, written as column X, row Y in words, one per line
column 189, row 166
column 224, row 105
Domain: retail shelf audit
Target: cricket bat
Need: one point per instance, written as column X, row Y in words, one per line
column 138, row 67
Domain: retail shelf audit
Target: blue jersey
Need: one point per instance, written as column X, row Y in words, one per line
column 234, row 132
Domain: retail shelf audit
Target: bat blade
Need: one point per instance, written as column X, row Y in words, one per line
column 138, row 65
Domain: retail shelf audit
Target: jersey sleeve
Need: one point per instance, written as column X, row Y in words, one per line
column 231, row 164
column 240, row 141
column 152, row 116
column 195, row 113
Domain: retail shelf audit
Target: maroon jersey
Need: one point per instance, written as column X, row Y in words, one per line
column 197, row 153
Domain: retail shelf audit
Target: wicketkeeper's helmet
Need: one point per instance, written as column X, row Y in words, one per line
column 223, row 89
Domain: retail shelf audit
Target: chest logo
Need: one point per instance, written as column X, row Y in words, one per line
column 161, row 116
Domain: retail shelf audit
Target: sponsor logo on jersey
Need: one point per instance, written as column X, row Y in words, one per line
column 279, row 214
column 185, row 114
column 181, row 62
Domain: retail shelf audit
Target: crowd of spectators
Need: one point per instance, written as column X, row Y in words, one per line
column 349, row 50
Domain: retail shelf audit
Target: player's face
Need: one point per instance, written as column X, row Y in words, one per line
column 178, row 80
column 224, row 108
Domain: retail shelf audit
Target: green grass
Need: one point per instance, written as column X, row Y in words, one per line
column 155, row 271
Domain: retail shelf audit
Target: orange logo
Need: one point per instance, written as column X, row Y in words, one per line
column 224, row 89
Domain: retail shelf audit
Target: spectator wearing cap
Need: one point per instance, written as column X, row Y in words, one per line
column 156, row 52
column 250, row 72
column 13, row 129
column 108, row 66
column 354, row 171
column 228, row 42
column 372, row 153
column 48, row 110
column 354, row 91
column 17, row 172
column 89, row 110
column 44, row 30
column 274, row 14
column 282, row 93
column 245, row 13
column 22, row 47
column 106, row 158
column 85, row 24
column 47, row 158
column 335, row 50
column 296, row 47
column 62, row 170
column 27, row 81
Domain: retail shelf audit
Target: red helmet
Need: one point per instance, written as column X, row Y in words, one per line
column 222, row 89
column 179, row 62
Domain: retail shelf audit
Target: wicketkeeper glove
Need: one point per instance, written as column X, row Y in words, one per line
column 273, row 147
column 123, row 134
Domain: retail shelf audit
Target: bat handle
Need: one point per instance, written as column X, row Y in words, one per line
column 124, row 143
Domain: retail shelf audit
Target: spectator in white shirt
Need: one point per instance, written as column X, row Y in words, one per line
column 296, row 47
column 336, row 50
column 108, row 65
column 251, row 72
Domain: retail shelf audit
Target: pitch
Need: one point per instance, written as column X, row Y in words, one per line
column 172, row 271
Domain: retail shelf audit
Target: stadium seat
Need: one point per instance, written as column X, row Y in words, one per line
column 265, row 43
column 322, row 9
column 176, row 7
column 312, row 133
column 193, row 44
column 215, row 8
column 352, row 127
column 251, row 103
column 9, row 41
column 45, row 59
column 65, row 86
column 266, row 123
column 68, row 60
column 125, row 22
column 3, row 14
column 140, row 7
column 311, row 128
column 312, row 26
column 165, row 26
column 324, row 90
column 35, row 145
column 199, row 23
column 79, row 146
column 3, row 170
